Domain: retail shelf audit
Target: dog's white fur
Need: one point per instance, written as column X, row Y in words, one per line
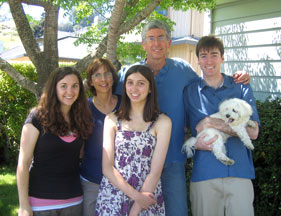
column 236, row 113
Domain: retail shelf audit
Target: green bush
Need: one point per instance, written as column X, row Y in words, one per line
column 15, row 102
column 267, row 159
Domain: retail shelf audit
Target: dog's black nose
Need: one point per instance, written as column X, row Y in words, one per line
column 227, row 115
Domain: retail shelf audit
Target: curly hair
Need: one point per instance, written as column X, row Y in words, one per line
column 49, row 111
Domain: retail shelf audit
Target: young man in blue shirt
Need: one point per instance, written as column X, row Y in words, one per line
column 217, row 189
column 171, row 76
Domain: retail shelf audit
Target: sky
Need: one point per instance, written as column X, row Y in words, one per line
column 34, row 11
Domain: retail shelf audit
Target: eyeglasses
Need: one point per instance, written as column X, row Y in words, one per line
column 99, row 76
column 153, row 39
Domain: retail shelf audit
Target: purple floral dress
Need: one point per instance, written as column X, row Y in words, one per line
column 133, row 155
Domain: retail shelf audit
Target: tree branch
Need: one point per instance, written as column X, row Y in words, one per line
column 123, row 28
column 20, row 79
column 130, row 4
column 113, row 29
column 25, row 32
column 82, row 65
column 127, row 26
column 51, row 29
column 50, row 53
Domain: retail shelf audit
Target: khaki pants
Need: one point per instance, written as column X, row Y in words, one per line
column 222, row 197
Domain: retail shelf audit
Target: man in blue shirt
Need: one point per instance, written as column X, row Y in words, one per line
column 171, row 76
column 217, row 189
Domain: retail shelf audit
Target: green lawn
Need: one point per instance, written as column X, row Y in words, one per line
column 8, row 192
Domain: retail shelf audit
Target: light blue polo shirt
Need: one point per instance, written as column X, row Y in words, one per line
column 170, row 82
column 201, row 101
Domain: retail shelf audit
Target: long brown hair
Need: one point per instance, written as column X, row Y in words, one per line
column 151, row 108
column 49, row 111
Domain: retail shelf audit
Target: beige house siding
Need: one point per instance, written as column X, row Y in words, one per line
column 188, row 23
column 197, row 23
column 251, row 32
column 182, row 20
column 186, row 52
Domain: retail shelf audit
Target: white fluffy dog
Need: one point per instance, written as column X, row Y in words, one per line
column 236, row 113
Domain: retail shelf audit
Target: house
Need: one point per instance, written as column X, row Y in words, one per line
column 251, row 32
column 68, row 52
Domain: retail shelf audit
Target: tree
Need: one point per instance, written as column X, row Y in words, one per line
column 120, row 17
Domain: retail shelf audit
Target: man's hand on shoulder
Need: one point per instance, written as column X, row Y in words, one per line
column 241, row 77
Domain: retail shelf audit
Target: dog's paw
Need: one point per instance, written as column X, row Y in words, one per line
column 221, row 156
column 248, row 142
column 227, row 162
column 188, row 148
column 250, row 146
column 189, row 151
column 251, row 123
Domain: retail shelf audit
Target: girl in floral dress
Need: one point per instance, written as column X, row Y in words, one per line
column 136, row 140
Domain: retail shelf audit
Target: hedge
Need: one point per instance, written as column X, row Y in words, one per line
column 15, row 102
column 267, row 159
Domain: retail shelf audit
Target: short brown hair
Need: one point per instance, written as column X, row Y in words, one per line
column 209, row 42
column 94, row 66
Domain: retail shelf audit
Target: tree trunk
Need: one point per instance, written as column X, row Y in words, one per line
column 45, row 61
column 49, row 58
column 113, row 30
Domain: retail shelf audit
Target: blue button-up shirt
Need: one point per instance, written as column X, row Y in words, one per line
column 200, row 101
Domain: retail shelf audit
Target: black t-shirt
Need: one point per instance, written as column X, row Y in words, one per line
column 54, row 173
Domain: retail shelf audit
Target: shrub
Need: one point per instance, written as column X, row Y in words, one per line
column 267, row 159
column 15, row 102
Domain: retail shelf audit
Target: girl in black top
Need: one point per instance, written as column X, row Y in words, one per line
column 52, row 136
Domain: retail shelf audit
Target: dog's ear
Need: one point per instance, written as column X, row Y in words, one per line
column 223, row 105
column 245, row 108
